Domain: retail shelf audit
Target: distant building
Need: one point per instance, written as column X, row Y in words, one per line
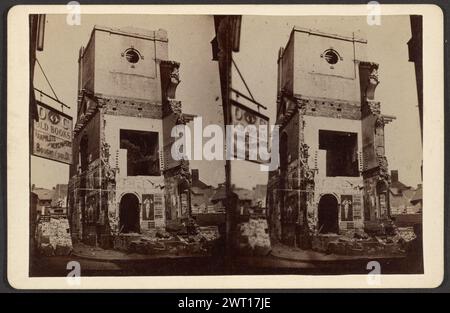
column 51, row 201
column 400, row 197
column 201, row 195
column 417, row 198
column 44, row 200
column 59, row 199
column 246, row 199
column 249, row 202
column 259, row 201
column 219, row 197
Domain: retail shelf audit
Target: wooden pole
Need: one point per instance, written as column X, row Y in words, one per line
column 224, row 38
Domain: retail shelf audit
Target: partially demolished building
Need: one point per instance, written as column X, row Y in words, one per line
column 123, row 178
column 333, row 175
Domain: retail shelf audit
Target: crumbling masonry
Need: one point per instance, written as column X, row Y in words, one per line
column 123, row 179
column 333, row 174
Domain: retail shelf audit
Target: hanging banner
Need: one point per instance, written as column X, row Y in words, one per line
column 52, row 134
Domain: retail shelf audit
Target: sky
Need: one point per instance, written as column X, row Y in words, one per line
column 261, row 38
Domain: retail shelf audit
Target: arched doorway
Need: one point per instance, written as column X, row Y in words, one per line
column 328, row 214
column 129, row 214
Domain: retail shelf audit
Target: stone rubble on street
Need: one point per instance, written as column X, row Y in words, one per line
column 202, row 242
column 53, row 236
column 253, row 237
column 360, row 243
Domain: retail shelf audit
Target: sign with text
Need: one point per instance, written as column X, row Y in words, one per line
column 52, row 135
column 250, row 122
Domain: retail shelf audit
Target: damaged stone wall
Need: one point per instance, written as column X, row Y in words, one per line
column 84, row 183
column 131, row 88
column 375, row 169
column 342, row 187
column 337, row 98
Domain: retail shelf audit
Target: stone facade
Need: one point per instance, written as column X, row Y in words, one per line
column 333, row 176
column 123, row 178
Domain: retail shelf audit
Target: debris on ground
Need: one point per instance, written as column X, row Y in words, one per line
column 405, row 233
column 53, row 236
column 358, row 242
column 253, row 237
column 176, row 240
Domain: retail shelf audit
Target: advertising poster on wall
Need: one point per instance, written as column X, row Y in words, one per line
column 346, row 208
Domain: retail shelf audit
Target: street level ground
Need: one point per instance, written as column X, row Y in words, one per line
column 282, row 260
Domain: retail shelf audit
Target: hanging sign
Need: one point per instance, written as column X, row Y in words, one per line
column 52, row 135
column 250, row 121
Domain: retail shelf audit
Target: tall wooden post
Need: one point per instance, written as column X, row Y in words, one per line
column 223, row 36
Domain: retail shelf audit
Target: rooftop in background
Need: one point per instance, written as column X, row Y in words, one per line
column 196, row 182
column 397, row 187
column 244, row 194
column 417, row 196
column 43, row 194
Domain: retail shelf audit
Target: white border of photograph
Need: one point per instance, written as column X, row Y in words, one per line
column 18, row 155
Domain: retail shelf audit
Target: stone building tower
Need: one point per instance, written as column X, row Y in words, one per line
column 123, row 178
column 333, row 175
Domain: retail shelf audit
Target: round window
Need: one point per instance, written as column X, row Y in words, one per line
column 132, row 56
column 331, row 56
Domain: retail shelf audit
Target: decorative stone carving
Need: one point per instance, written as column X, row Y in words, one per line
column 170, row 79
column 379, row 123
column 383, row 168
column 309, row 175
column 304, row 154
column 374, row 107
column 105, row 151
column 174, row 107
column 373, row 80
column 301, row 107
column 183, row 174
column 170, row 75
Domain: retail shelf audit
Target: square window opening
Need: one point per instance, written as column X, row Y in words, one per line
column 341, row 152
column 142, row 152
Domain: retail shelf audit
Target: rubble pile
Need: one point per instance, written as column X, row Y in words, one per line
column 320, row 243
column 162, row 242
column 209, row 233
column 360, row 243
column 253, row 237
column 122, row 242
column 53, row 236
column 405, row 233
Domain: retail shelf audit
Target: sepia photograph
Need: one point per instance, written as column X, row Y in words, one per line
column 225, row 145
